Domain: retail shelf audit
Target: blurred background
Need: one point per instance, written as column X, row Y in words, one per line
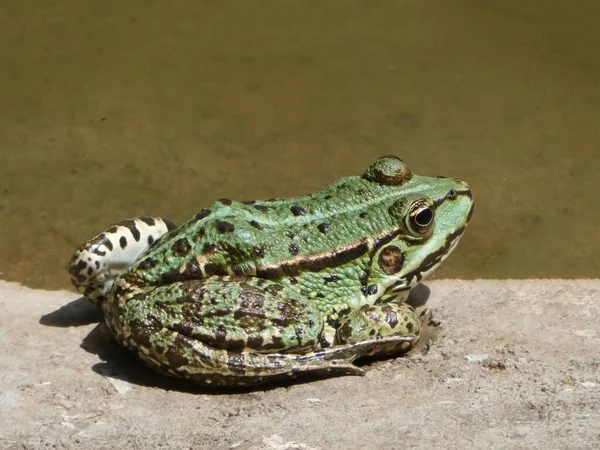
column 112, row 109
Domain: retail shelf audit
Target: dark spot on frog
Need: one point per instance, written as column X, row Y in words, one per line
column 320, row 295
column 237, row 270
column 372, row 289
column 97, row 264
column 255, row 342
column 192, row 269
column 218, row 312
column 390, row 316
column 112, row 230
column 364, row 278
column 148, row 221
column 181, row 247
column 107, row 242
column 123, row 242
column 210, row 248
column 225, row 201
column 288, row 234
column 262, row 208
column 202, row 214
column 328, row 196
column 390, row 260
column 259, row 251
column 275, row 344
column 120, row 291
column 274, row 289
column 452, row 194
column 249, row 202
column 199, row 235
column 298, row 211
column 298, row 335
column 221, row 332
column 323, row 227
column 362, row 215
column 250, row 298
column 331, row 279
column 170, row 225
column 132, row 227
column 256, row 225
column 214, row 269
column 324, row 344
column 334, row 323
column 150, row 240
column 294, row 250
column 344, row 332
column 79, row 267
column 236, row 345
column 286, row 314
column 293, row 280
column 409, row 326
column 361, row 192
column 148, row 263
column 224, row 227
column 185, row 328
column 90, row 270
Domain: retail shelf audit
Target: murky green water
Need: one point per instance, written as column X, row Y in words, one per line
column 114, row 109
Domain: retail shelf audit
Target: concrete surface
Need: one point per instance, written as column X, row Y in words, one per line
column 514, row 364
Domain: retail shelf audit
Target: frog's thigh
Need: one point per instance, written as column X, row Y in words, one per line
column 230, row 313
column 223, row 330
column 372, row 322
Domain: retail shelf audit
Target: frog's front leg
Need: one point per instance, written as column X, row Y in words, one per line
column 376, row 322
column 225, row 331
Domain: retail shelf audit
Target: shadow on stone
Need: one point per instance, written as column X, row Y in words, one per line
column 76, row 313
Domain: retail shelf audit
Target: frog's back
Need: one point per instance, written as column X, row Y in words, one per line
column 272, row 238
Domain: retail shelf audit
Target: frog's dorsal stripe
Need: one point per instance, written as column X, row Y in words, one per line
column 98, row 261
column 319, row 261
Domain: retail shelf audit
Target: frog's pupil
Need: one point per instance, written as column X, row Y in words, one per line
column 424, row 217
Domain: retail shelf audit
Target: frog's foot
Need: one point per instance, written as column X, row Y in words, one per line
column 228, row 331
column 381, row 322
column 98, row 261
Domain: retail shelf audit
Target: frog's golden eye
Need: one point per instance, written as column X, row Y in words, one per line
column 420, row 217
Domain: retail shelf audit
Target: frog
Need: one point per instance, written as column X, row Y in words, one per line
column 248, row 292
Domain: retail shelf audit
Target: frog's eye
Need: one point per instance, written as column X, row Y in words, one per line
column 420, row 217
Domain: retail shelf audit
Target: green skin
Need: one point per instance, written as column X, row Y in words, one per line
column 248, row 292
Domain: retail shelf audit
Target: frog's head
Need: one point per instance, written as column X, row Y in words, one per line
column 431, row 214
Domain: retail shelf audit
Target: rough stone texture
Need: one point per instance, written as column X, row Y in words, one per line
column 515, row 364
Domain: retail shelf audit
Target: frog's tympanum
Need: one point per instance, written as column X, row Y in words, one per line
column 248, row 292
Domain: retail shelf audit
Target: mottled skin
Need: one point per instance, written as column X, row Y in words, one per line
column 246, row 292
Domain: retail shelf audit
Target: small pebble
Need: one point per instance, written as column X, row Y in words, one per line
column 476, row 358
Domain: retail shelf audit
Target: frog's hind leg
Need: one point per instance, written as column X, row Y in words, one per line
column 98, row 261
column 227, row 331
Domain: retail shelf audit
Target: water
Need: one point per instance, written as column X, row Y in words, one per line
column 116, row 109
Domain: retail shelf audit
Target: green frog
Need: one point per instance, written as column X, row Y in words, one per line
column 246, row 292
